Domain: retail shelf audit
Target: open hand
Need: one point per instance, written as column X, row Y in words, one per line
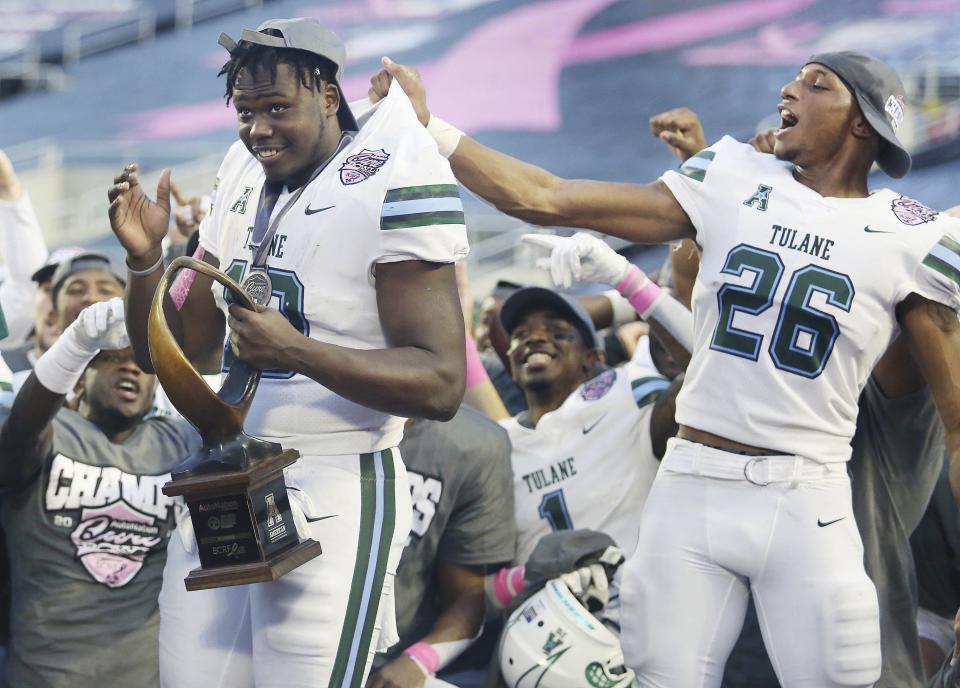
column 681, row 130
column 409, row 80
column 188, row 215
column 139, row 223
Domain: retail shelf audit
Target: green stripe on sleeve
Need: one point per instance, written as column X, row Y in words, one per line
column 696, row 167
column 411, row 193
column 944, row 268
column 949, row 243
column 442, row 217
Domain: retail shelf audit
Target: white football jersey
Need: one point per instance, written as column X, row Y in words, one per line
column 387, row 196
column 795, row 300
column 589, row 463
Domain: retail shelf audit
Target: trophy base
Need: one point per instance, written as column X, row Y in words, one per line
column 257, row 572
column 243, row 524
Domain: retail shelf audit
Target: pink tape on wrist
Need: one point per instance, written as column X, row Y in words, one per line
column 639, row 289
column 507, row 584
column 476, row 373
column 425, row 656
column 181, row 285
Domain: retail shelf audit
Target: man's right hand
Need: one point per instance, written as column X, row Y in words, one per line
column 139, row 223
column 409, row 80
column 101, row 326
column 681, row 130
column 580, row 258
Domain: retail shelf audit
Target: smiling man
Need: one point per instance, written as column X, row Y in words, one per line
column 85, row 520
column 587, row 448
column 753, row 495
column 348, row 238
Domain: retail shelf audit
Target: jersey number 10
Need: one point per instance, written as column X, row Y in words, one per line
column 288, row 288
column 804, row 336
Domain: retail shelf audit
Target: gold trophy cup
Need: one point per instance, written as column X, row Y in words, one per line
column 234, row 484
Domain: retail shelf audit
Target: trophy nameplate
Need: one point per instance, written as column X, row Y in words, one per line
column 234, row 485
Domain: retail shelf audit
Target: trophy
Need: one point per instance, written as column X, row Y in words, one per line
column 234, row 484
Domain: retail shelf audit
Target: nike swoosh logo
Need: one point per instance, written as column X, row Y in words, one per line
column 876, row 231
column 588, row 428
column 312, row 211
column 319, row 518
column 822, row 524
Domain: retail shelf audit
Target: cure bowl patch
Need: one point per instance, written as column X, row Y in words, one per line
column 362, row 166
column 598, row 387
column 113, row 541
column 911, row 212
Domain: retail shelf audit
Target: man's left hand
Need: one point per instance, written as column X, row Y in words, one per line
column 402, row 672
column 262, row 337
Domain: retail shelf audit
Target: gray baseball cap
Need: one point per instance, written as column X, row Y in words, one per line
column 522, row 301
column 86, row 260
column 880, row 94
column 301, row 33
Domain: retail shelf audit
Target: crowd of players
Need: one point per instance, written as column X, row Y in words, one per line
column 524, row 504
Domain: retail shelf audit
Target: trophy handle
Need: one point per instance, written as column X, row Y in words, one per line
column 218, row 417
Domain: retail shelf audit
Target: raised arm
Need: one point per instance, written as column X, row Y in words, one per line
column 640, row 213
column 27, row 433
column 933, row 333
column 420, row 374
column 140, row 225
column 23, row 250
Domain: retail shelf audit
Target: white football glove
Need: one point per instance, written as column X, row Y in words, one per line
column 591, row 583
column 101, row 326
column 580, row 258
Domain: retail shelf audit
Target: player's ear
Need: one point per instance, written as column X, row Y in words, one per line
column 861, row 128
column 331, row 99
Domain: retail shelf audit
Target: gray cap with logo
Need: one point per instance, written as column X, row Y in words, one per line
column 301, row 33
column 880, row 94
column 522, row 301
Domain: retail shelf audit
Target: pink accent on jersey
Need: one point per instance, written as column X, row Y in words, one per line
column 181, row 285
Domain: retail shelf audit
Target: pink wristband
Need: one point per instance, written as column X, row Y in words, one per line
column 639, row 290
column 508, row 583
column 424, row 655
column 476, row 373
column 181, row 285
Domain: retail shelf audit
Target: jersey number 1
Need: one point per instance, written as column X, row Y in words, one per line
column 553, row 507
column 804, row 336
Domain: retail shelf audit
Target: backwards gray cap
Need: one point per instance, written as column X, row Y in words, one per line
column 302, row 33
column 522, row 301
column 84, row 260
column 879, row 92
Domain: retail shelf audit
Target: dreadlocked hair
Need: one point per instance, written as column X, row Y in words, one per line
column 313, row 69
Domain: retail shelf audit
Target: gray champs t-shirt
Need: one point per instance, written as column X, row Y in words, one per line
column 461, row 488
column 87, row 538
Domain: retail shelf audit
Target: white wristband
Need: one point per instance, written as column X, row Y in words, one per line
column 675, row 319
column 446, row 135
column 60, row 368
column 623, row 312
